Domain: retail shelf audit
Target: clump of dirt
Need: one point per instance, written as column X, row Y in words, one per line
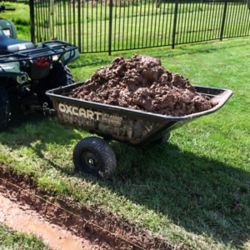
column 142, row 83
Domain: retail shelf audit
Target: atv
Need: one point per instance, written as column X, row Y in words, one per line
column 27, row 71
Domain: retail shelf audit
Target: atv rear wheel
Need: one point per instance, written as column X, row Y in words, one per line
column 60, row 75
column 5, row 114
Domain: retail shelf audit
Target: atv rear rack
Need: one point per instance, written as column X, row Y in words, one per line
column 48, row 49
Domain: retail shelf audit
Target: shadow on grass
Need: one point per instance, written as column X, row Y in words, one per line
column 36, row 132
column 202, row 195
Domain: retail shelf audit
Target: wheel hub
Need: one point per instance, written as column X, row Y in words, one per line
column 90, row 160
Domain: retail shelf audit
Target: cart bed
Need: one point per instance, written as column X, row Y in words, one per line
column 124, row 124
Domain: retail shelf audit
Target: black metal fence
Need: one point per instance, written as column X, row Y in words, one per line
column 114, row 25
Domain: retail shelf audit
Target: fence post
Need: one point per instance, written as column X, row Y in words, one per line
column 79, row 26
column 110, row 25
column 51, row 20
column 223, row 21
column 32, row 20
column 175, row 22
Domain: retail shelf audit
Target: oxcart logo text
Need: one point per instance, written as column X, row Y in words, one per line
column 80, row 112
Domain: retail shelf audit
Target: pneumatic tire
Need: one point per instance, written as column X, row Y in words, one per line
column 94, row 156
column 162, row 140
column 5, row 114
column 59, row 76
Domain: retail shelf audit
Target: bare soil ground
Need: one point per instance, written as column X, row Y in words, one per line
column 63, row 221
column 143, row 83
column 21, row 218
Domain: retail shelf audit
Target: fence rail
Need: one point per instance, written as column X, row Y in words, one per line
column 115, row 25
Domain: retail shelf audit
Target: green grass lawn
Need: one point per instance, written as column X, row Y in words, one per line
column 138, row 25
column 195, row 189
column 17, row 241
column 20, row 17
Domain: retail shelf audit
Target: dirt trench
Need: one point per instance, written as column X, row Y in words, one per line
column 87, row 228
column 21, row 218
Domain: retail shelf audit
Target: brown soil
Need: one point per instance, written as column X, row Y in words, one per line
column 21, row 218
column 142, row 83
column 97, row 229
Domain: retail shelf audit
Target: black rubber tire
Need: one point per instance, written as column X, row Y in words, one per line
column 60, row 75
column 163, row 139
column 5, row 114
column 93, row 155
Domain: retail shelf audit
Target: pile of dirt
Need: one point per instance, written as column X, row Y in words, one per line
column 142, row 83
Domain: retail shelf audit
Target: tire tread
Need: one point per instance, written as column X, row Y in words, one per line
column 100, row 146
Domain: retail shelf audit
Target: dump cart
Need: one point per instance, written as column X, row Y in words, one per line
column 93, row 155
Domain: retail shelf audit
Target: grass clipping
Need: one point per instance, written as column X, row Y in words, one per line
column 142, row 83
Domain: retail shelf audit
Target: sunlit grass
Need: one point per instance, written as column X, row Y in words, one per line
column 194, row 189
column 14, row 240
